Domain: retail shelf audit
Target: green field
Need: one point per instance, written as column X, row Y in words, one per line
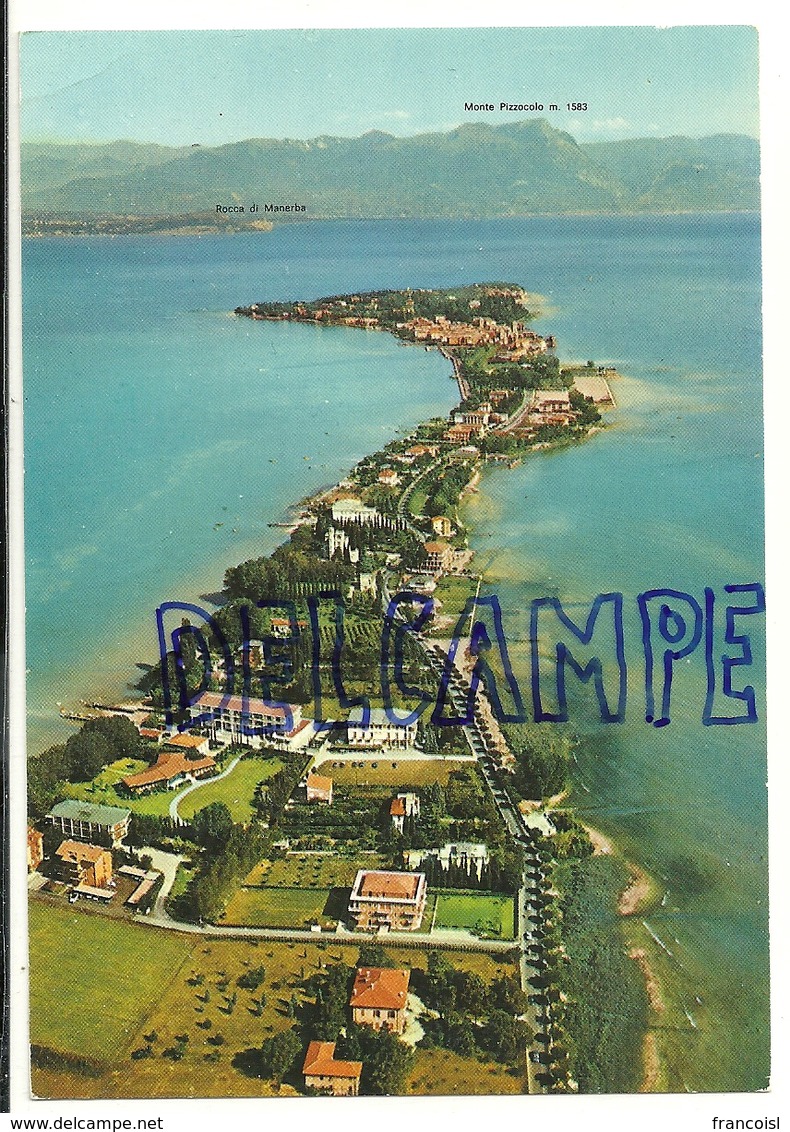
column 311, row 870
column 103, row 988
column 389, row 771
column 102, row 790
column 453, row 594
column 95, row 979
column 486, row 914
column 417, row 500
column 278, row 907
column 235, row 791
column 442, row 1073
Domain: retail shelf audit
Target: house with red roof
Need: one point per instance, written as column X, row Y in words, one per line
column 324, row 1073
column 378, row 998
column 319, row 788
column 188, row 760
column 405, row 805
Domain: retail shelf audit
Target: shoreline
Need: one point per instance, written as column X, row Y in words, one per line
column 189, row 231
column 640, row 894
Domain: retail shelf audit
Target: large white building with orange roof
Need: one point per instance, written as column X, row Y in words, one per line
column 388, row 901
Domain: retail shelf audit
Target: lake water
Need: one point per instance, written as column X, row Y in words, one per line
column 163, row 435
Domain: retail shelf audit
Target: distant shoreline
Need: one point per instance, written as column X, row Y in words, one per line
column 110, row 225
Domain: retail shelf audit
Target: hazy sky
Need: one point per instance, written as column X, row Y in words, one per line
column 220, row 86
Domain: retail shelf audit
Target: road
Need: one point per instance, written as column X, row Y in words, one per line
column 533, row 879
column 196, row 786
column 403, row 502
column 452, row 941
column 519, row 414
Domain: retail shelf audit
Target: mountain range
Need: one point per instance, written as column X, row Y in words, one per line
column 475, row 170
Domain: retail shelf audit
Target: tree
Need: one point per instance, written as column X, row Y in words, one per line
column 372, row 954
column 45, row 774
column 88, row 752
column 504, row 1037
column 385, row 1062
column 505, row 993
column 331, row 997
column 279, row 1053
column 120, row 733
column 472, row 992
column 212, row 825
column 251, row 979
column 461, row 1037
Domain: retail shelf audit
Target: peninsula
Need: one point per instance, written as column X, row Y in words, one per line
column 249, row 823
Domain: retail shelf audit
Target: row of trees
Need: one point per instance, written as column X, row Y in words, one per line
column 287, row 573
column 221, row 873
column 494, row 875
column 445, row 489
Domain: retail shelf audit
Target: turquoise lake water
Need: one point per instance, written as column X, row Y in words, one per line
column 152, row 416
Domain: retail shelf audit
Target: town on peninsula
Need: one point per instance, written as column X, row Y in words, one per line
column 360, row 906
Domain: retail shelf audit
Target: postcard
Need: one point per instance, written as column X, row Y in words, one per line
column 394, row 563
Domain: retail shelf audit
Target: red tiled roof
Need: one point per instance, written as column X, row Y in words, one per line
column 397, row 886
column 380, row 988
column 189, row 742
column 319, row 782
column 320, row 1061
column 79, row 852
column 236, row 703
column 167, row 766
column 142, row 889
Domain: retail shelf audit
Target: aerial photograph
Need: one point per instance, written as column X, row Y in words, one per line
column 394, row 568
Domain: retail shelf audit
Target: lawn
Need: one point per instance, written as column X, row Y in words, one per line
column 389, row 771
column 486, row 914
column 417, row 500
column 453, row 594
column 488, row 967
column 311, row 870
column 442, row 1073
column 102, row 790
column 123, row 981
column 95, row 979
column 236, row 791
column 278, row 907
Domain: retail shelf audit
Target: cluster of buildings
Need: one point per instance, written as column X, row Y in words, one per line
column 551, row 406
column 378, row 999
column 250, row 722
column 483, row 417
column 515, row 337
column 83, row 858
column 334, row 312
